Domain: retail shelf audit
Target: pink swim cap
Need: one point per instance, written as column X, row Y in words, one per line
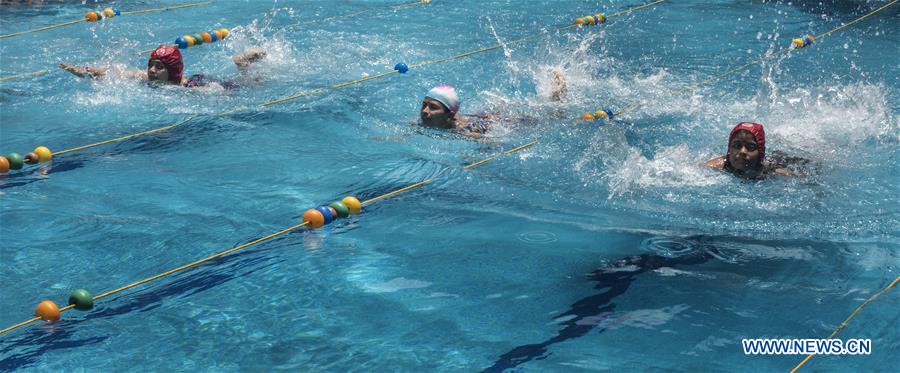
column 446, row 95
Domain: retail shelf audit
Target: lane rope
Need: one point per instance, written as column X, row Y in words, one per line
column 804, row 43
column 852, row 315
column 257, row 241
column 353, row 82
column 348, row 15
column 782, row 51
column 39, row 72
column 50, row 27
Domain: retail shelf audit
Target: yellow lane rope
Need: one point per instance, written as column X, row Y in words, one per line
column 348, row 15
column 42, row 28
column 340, row 85
column 782, row 51
column 693, row 87
column 83, row 20
column 260, row 240
column 364, row 11
column 39, row 72
column 126, row 137
column 843, row 324
column 443, row 59
column 167, row 8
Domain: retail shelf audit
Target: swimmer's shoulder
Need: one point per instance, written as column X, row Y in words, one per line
column 782, row 164
column 717, row 163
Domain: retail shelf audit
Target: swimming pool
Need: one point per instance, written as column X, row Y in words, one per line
column 602, row 247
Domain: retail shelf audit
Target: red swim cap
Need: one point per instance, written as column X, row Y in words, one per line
column 759, row 134
column 171, row 57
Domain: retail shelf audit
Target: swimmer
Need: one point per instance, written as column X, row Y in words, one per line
column 165, row 66
column 440, row 109
column 746, row 154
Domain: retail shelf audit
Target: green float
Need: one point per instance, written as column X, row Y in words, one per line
column 82, row 299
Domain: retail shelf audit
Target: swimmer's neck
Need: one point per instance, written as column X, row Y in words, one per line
column 754, row 173
column 455, row 123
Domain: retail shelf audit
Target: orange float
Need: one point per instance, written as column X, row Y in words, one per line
column 47, row 311
column 313, row 218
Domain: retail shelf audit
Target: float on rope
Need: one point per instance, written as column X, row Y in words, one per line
column 15, row 161
column 591, row 20
column 79, row 299
column 803, row 42
column 401, row 67
column 94, row 16
column 186, row 41
column 324, row 215
column 82, row 300
column 602, row 113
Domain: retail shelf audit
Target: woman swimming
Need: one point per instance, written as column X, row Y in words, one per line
column 746, row 154
column 440, row 109
column 166, row 66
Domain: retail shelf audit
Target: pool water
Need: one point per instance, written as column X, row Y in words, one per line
column 603, row 247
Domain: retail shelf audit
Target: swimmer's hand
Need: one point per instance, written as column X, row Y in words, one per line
column 559, row 86
column 243, row 60
column 84, row 71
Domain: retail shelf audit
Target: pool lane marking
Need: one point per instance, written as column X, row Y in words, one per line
column 352, row 14
column 123, row 13
column 821, row 36
column 782, row 51
column 340, row 85
column 126, row 137
column 266, row 238
column 364, row 11
column 39, row 72
column 444, row 59
column 167, row 8
column 843, row 324
column 439, row 173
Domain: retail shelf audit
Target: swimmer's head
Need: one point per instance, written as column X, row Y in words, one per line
column 165, row 64
column 746, row 147
column 439, row 107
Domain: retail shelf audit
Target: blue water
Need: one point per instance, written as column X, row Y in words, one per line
column 603, row 247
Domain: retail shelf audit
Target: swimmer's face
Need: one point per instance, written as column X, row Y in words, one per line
column 157, row 71
column 434, row 114
column 743, row 152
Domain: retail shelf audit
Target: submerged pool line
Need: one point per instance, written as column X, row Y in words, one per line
column 16, row 161
column 81, row 299
column 796, row 43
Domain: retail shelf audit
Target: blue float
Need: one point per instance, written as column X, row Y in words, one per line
column 326, row 212
column 401, row 67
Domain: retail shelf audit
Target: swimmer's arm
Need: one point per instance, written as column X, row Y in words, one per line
column 717, row 163
column 94, row 72
column 784, row 172
column 474, row 135
column 135, row 74
column 559, row 86
column 243, row 60
column 84, row 71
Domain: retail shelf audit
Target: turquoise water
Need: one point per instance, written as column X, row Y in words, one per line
column 603, row 247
